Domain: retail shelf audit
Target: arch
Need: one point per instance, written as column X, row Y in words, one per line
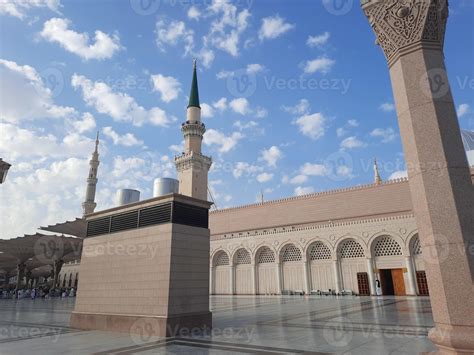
column 414, row 245
column 220, row 273
column 290, row 252
column 386, row 235
column 350, row 248
column 385, row 245
column 267, row 271
column 243, row 272
column 318, row 250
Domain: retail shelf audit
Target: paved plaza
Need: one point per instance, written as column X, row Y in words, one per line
column 251, row 325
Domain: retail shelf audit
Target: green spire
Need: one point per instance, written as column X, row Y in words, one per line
column 194, row 95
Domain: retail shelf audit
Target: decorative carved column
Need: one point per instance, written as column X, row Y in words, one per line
column 279, row 278
column 254, row 278
column 307, row 289
column 232, row 278
column 411, row 34
column 411, row 276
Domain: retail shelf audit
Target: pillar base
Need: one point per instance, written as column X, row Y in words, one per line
column 156, row 326
column 452, row 340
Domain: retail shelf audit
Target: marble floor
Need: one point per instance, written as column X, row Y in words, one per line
column 242, row 325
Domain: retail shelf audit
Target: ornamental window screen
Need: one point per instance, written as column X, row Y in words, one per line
column 242, row 257
column 416, row 250
column 351, row 249
column 387, row 246
column 266, row 255
column 221, row 259
column 291, row 253
column 319, row 251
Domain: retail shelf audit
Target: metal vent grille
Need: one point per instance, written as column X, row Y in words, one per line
column 190, row 215
column 98, row 226
column 124, row 221
column 221, row 259
column 387, row 246
column 351, row 249
column 319, row 251
column 291, row 253
column 155, row 215
column 242, row 256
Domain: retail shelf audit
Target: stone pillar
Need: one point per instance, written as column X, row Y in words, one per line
column 211, row 280
column 279, row 278
column 254, row 278
column 27, row 278
column 411, row 290
column 307, row 288
column 411, row 34
column 337, row 275
column 20, row 271
column 58, row 264
column 232, row 278
column 370, row 272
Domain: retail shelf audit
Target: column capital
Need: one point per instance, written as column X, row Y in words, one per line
column 404, row 26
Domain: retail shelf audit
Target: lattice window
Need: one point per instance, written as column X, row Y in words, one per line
column 416, row 250
column 351, row 249
column 319, row 251
column 291, row 253
column 242, row 257
column 387, row 246
column 221, row 259
column 266, row 256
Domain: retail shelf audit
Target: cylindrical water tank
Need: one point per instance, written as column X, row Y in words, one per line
column 165, row 186
column 126, row 196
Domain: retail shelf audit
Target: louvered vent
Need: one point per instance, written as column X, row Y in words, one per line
column 155, row 215
column 98, row 226
column 124, row 221
column 190, row 215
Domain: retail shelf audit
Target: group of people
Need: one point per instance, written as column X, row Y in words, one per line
column 37, row 292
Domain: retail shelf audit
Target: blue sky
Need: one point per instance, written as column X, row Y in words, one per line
column 296, row 98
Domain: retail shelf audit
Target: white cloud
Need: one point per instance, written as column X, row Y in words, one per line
column 254, row 68
column 206, row 56
column 220, row 104
column 398, row 174
column 240, row 106
column 387, row 107
column 177, row 148
column 104, row 46
column 119, row 106
column 127, row 140
column 342, row 131
column 85, row 124
column 194, row 13
column 167, row 86
column 300, row 191
column 245, row 168
column 298, row 179
column 207, row 111
column 273, row 27
column 318, row 41
column 352, row 142
column 463, row 109
column 224, row 143
column 386, row 134
column 271, row 155
column 24, row 95
column 264, row 177
column 312, row 125
column 261, row 112
column 313, row 169
column 301, row 108
column 173, row 33
column 18, row 8
column 321, row 65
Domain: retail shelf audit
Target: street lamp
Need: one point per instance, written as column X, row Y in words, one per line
column 4, row 166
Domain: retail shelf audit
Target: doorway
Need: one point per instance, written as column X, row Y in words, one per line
column 363, row 283
column 422, row 283
column 392, row 282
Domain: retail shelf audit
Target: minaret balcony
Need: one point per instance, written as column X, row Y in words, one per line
column 192, row 159
column 195, row 128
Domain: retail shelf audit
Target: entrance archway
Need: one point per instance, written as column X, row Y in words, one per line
column 321, row 269
column 243, row 272
column 267, row 272
column 292, row 268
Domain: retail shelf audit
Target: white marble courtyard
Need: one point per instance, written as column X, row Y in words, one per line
column 251, row 325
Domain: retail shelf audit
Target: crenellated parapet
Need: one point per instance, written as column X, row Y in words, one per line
column 403, row 26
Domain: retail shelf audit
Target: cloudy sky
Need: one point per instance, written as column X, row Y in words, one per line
column 295, row 96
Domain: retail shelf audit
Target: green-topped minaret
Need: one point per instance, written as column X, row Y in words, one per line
column 194, row 94
column 192, row 165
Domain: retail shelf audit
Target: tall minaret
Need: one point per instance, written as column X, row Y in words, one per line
column 192, row 166
column 377, row 178
column 88, row 206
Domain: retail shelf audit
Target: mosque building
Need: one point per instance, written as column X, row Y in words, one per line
column 343, row 241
